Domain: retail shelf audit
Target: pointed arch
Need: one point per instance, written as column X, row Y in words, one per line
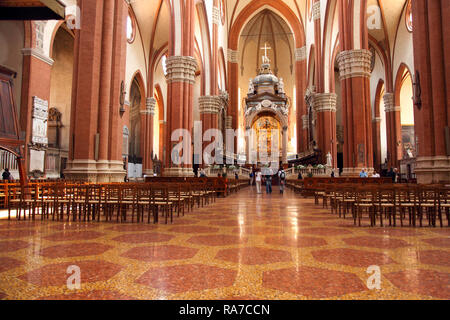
column 253, row 8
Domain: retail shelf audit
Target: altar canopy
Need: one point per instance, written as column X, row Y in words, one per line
column 266, row 116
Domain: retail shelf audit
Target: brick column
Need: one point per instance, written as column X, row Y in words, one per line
column 432, row 116
column 300, row 83
column 233, row 85
column 147, row 118
column 99, row 69
column 354, row 67
column 376, row 129
column 209, row 107
column 393, row 130
column 180, row 82
column 36, row 76
column 325, row 108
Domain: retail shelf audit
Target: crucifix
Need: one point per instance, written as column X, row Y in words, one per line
column 265, row 58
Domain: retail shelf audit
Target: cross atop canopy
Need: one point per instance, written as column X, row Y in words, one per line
column 265, row 58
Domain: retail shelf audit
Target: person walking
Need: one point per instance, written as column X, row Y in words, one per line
column 269, row 183
column 258, row 182
column 252, row 177
column 282, row 178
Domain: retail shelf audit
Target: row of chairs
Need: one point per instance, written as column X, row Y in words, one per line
column 110, row 202
column 388, row 203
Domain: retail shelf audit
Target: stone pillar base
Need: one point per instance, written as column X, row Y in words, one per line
column 433, row 169
column 148, row 172
column 95, row 171
column 354, row 172
column 178, row 172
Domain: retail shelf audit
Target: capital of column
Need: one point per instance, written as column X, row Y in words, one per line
column 232, row 56
column 39, row 54
column 150, row 107
column 300, row 54
column 316, row 10
column 229, row 122
column 389, row 103
column 354, row 63
column 305, row 120
column 325, row 102
column 376, row 120
column 210, row 104
column 216, row 15
column 181, row 69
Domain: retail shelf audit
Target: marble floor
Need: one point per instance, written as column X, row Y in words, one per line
column 246, row 246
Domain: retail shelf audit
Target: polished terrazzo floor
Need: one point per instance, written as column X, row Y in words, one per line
column 246, row 246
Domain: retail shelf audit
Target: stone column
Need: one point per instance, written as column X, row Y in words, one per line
column 95, row 154
column 354, row 67
column 325, row 108
column 432, row 101
column 394, row 130
column 147, row 119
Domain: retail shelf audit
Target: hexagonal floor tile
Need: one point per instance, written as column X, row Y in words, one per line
column 75, row 250
column 57, row 275
column 313, row 282
column 394, row 232
column 288, row 224
column 11, row 246
column 143, row 238
column 351, row 257
column 185, row 278
column 9, row 263
column 160, row 253
column 434, row 257
column 90, row 295
column 217, row 240
column 14, row 234
column 229, row 223
column 438, row 242
column 74, row 226
column 376, row 242
column 423, row 282
column 211, row 217
column 257, row 230
column 194, row 229
column 299, row 242
column 326, row 231
column 253, row 256
column 132, row 227
column 74, row 235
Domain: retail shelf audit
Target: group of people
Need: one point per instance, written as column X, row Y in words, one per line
column 365, row 174
column 259, row 178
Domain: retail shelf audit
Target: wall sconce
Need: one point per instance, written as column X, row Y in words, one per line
column 122, row 98
column 417, row 98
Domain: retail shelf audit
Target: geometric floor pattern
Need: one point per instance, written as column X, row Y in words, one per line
column 246, row 246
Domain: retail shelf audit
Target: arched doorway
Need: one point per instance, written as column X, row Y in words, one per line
column 137, row 100
column 403, row 98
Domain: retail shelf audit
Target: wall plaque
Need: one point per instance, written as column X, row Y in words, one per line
column 40, row 119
